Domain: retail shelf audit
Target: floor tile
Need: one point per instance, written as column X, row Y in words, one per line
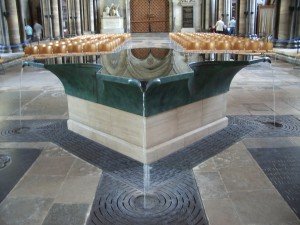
column 52, row 166
column 78, row 189
column 295, row 140
column 82, row 168
column 23, row 145
column 38, row 186
column 210, row 185
column 274, row 142
column 16, row 211
column 63, row 214
column 20, row 161
column 264, row 207
column 282, row 166
column 11, row 100
column 251, row 93
column 53, row 106
column 207, row 166
column 257, row 107
column 244, row 178
column 54, row 151
column 235, row 156
column 221, row 212
column 236, row 109
column 261, row 113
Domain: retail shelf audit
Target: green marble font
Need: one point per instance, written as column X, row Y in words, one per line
column 147, row 82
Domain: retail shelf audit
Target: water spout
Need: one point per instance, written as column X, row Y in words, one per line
column 274, row 97
column 20, row 97
column 146, row 183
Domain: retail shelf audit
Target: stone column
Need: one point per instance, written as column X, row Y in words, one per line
column 85, row 5
column 284, row 21
column 207, row 21
column 58, row 60
column 96, row 24
column 23, row 18
column 202, row 13
column 78, row 17
column 227, row 4
column 242, row 18
column 197, row 16
column 4, row 38
column 92, row 18
column 13, row 26
column 294, row 24
column 298, row 21
column 212, row 15
column 46, row 14
column 71, row 15
column 252, row 14
column 127, row 5
column 62, row 23
column 55, row 18
column 177, row 15
column 220, row 8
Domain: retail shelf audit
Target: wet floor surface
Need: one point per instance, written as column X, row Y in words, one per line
column 14, row 164
column 172, row 182
column 233, row 177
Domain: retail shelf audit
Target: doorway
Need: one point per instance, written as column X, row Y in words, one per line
column 149, row 16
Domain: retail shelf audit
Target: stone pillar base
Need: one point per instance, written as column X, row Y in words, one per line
column 112, row 25
column 147, row 139
column 112, row 31
column 17, row 48
column 188, row 30
column 293, row 45
column 5, row 49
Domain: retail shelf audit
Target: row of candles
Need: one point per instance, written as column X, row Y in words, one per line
column 219, row 42
column 80, row 44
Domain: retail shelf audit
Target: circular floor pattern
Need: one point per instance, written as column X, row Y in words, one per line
column 263, row 126
column 174, row 194
column 284, row 126
column 15, row 130
column 174, row 203
column 25, row 130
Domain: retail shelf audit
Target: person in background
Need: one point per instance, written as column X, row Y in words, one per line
column 225, row 30
column 29, row 32
column 220, row 26
column 212, row 29
column 232, row 25
column 38, row 30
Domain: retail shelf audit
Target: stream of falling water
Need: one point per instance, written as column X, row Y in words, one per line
column 146, row 168
column 274, row 97
column 20, row 98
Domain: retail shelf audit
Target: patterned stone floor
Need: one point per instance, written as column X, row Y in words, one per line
column 236, row 184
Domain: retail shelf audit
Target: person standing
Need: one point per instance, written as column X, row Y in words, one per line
column 29, row 32
column 220, row 26
column 38, row 28
column 232, row 25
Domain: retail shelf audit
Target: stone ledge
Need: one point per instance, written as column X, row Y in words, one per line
column 152, row 154
column 288, row 55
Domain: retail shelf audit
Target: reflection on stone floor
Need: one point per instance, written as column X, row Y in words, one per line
column 233, row 187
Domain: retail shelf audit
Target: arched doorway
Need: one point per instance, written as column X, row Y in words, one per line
column 149, row 16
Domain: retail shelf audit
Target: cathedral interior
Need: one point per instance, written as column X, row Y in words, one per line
column 144, row 112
